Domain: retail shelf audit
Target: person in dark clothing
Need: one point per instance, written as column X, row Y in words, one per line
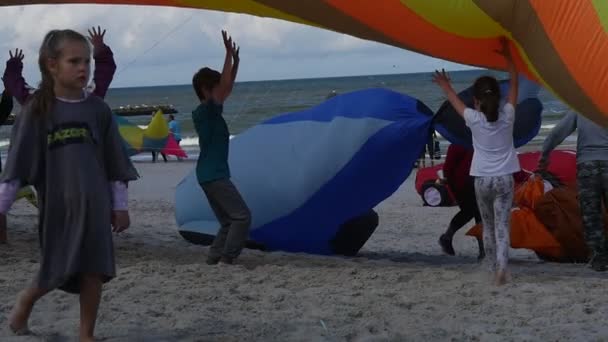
column 6, row 107
column 456, row 172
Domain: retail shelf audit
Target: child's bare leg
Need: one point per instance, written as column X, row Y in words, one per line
column 90, row 295
column 23, row 308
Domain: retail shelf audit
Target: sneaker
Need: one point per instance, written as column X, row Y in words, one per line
column 599, row 263
column 446, row 245
column 213, row 260
column 226, row 260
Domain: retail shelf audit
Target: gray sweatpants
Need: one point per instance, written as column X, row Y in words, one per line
column 233, row 215
column 495, row 200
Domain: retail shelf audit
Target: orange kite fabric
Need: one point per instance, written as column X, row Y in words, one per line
column 563, row 44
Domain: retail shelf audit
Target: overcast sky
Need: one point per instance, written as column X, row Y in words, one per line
column 164, row 45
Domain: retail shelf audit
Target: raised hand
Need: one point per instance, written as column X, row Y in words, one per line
column 442, row 79
column 96, row 36
column 17, row 55
column 505, row 49
column 235, row 52
column 227, row 41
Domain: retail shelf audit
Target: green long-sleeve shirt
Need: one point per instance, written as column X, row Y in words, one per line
column 213, row 141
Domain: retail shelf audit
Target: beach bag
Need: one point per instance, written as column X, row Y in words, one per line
column 559, row 211
column 526, row 232
column 529, row 192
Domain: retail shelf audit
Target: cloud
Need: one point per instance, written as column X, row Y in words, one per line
column 163, row 45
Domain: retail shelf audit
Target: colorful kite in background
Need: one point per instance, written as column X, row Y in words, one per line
column 155, row 137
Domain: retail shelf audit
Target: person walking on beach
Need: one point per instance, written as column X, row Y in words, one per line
column 174, row 128
column 456, row 171
column 592, row 178
column 212, row 171
column 66, row 143
column 494, row 158
column 154, row 152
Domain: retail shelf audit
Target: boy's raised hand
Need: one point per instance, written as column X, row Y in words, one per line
column 96, row 37
column 227, row 41
column 235, row 52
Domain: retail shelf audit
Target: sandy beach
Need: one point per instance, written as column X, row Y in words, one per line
column 400, row 287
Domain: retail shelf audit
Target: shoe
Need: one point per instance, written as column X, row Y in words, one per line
column 599, row 263
column 213, row 260
column 446, row 245
column 227, row 260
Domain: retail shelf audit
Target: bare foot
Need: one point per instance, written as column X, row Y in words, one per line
column 87, row 339
column 501, row 278
column 20, row 315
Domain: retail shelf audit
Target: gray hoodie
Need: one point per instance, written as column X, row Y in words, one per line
column 592, row 139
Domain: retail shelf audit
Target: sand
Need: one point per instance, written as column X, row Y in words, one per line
column 400, row 288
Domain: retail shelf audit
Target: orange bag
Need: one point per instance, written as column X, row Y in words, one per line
column 527, row 232
column 529, row 193
column 559, row 211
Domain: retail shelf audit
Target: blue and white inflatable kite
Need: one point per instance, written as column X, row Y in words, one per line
column 528, row 112
column 310, row 176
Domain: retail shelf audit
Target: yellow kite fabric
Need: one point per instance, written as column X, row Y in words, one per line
column 563, row 44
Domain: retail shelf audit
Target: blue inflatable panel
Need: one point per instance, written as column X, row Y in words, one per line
column 527, row 115
column 306, row 173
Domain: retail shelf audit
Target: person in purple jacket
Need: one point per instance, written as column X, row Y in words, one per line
column 105, row 67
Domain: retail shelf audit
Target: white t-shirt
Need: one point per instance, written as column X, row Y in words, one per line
column 494, row 153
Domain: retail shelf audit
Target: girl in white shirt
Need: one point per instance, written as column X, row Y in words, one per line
column 494, row 158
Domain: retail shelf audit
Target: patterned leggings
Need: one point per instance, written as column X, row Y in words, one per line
column 592, row 189
column 495, row 200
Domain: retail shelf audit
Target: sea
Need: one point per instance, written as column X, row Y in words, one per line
column 256, row 101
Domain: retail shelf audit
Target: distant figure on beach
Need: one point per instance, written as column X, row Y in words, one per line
column 494, row 158
column 174, row 128
column 155, row 153
column 331, row 94
column 432, row 148
column 592, row 177
column 456, row 171
column 212, row 170
column 80, row 169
